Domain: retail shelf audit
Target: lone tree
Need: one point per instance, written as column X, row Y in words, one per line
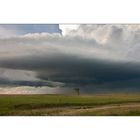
column 77, row 90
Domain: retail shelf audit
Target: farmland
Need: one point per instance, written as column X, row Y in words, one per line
column 70, row 105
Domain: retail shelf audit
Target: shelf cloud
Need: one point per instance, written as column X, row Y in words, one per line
column 94, row 56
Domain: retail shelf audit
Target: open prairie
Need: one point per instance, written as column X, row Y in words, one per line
column 70, row 105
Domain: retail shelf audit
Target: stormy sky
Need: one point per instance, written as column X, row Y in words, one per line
column 52, row 57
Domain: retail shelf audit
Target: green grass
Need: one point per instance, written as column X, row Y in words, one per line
column 66, row 105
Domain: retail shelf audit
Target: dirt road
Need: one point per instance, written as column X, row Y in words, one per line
column 75, row 111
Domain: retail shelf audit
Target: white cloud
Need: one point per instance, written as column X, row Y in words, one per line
column 6, row 33
column 66, row 28
column 101, row 41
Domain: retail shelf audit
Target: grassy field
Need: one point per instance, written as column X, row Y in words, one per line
column 70, row 105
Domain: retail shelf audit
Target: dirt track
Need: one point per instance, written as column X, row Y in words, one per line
column 73, row 111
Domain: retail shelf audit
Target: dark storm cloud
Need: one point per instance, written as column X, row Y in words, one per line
column 97, row 72
column 92, row 56
column 73, row 70
column 12, row 83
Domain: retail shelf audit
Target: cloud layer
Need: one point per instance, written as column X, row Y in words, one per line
column 96, row 56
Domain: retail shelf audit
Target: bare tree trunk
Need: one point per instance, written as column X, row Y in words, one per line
column 77, row 90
